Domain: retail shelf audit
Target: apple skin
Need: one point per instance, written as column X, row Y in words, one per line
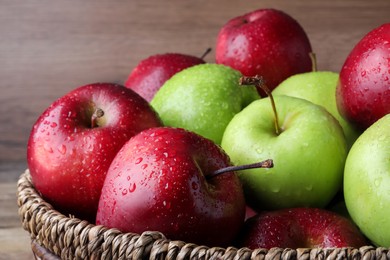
column 300, row 228
column 363, row 91
column 367, row 182
column 309, row 154
column 151, row 73
column 158, row 181
column 68, row 158
column 318, row 87
column 203, row 99
column 264, row 42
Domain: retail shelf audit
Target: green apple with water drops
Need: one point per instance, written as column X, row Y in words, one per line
column 307, row 146
column 367, row 182
column 318, row 87
column 203, row 99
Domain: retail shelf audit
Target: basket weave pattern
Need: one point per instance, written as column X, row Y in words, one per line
column 55, row 236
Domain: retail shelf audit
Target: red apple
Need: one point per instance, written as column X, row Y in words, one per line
column 151, row 73
column 299, row 228
column 363, row 91
column 264, row 42
column 161, row 180
column 73, row 142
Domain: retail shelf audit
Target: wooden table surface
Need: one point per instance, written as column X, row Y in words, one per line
column 49, row 47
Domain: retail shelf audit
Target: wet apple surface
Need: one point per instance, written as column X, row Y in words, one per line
column 363, row 91
column 73, row 142
column 300, row 228
column 264, row 42
column 159, row 181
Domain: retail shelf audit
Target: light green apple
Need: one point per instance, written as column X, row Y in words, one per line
column 203, row 99
column 367, row 182
column 318, row 87
column 309, row 153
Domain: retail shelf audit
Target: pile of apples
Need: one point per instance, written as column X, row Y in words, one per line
column 258, row 149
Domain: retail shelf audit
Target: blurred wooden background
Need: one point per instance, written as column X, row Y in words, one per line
column 49, row 47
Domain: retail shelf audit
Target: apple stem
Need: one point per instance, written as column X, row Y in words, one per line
column 259, row 83
column 263, row 164
column 208, row 50
column 98, row 113
column 313, row 61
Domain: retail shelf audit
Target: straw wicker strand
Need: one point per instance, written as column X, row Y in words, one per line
column 55, row 236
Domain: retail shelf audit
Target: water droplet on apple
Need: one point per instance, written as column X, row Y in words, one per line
column 144, row 166
column 165, row 154
column 128, row 178
column 194, row 185
column 138, row 160
column 176, row 226
column 113, row 207
column 259, row 150
column 275, row 189
column 167, row 204
column 124, row 192
column 48, row 148
column 132, row 187
column 53, row 124
column 166, row 186
column 62, row 149
column 309, row 187
column 377, row 182
column 72, row 114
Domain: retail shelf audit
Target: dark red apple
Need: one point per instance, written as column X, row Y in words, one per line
column 299, row 228
column 73, row 142
column 264, row 42
column 363, row 91
column 161, row 180
column 151, row 73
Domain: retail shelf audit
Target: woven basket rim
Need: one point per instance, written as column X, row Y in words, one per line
column 73, row 238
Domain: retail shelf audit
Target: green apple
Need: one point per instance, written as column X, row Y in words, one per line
column 309, row 153
column 367, row 182
column 203, row 99
column 318, row 87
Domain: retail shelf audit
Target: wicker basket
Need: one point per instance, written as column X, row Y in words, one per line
column 56, row 236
